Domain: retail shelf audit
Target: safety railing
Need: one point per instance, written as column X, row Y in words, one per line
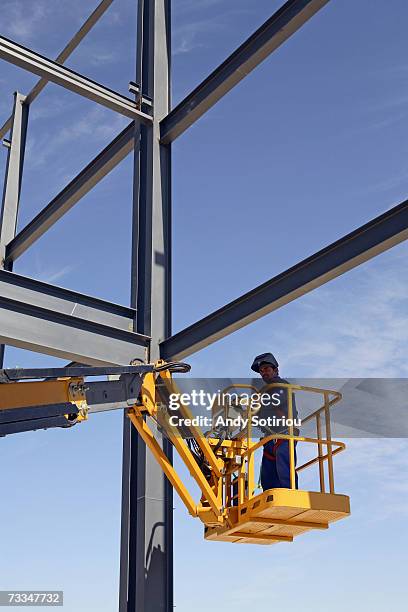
column 242, row 477
column 222, row 462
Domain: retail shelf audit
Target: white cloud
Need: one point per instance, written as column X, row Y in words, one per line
column 100, row 56
column 186, row 37
column 194, row 5
column 22, row 18
column 376, row 471
column 394, row 181
column 98, row 125
column 189, row 34
column 52, row 276
column 354, row 327
column 46, row 272
column 29, row 20
column 51, row 105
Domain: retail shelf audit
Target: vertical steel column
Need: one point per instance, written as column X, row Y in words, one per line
column 12, row 180
column 146, row 582
column 14, row 172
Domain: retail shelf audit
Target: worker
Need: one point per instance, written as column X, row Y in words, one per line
column 275, row 467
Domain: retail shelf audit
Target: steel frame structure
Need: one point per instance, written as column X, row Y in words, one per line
column 90, row 331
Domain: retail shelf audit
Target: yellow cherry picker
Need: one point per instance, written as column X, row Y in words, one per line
column 221, row 461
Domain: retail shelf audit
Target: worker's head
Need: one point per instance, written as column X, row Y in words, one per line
column 265, row 365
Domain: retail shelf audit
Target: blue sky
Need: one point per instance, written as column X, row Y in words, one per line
column 309, row 146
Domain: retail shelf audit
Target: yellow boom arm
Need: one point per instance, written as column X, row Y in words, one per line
column 223, row 468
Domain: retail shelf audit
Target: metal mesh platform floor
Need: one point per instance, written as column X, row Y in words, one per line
column 279, row 515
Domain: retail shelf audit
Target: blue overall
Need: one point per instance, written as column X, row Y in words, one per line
column 275, row 470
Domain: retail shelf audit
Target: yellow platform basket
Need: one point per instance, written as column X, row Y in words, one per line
column 224, row 468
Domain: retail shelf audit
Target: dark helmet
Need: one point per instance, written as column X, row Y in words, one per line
column 267, row 358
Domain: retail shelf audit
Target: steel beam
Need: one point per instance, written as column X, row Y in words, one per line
column 50, row 70
column 44, row 295
column 12, row 181
column 14, row 173
column 94, row 172
column 364, row 243
column 66, row 324
column 62, row 57
column 147, row 506
column 275, row 31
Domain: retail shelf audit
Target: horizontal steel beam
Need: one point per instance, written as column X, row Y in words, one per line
column 63, row 56
column 364, row 243
column 40, row 317
column 45, row 295
column 94, row 172
column 36, row 63
column 275, row 31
